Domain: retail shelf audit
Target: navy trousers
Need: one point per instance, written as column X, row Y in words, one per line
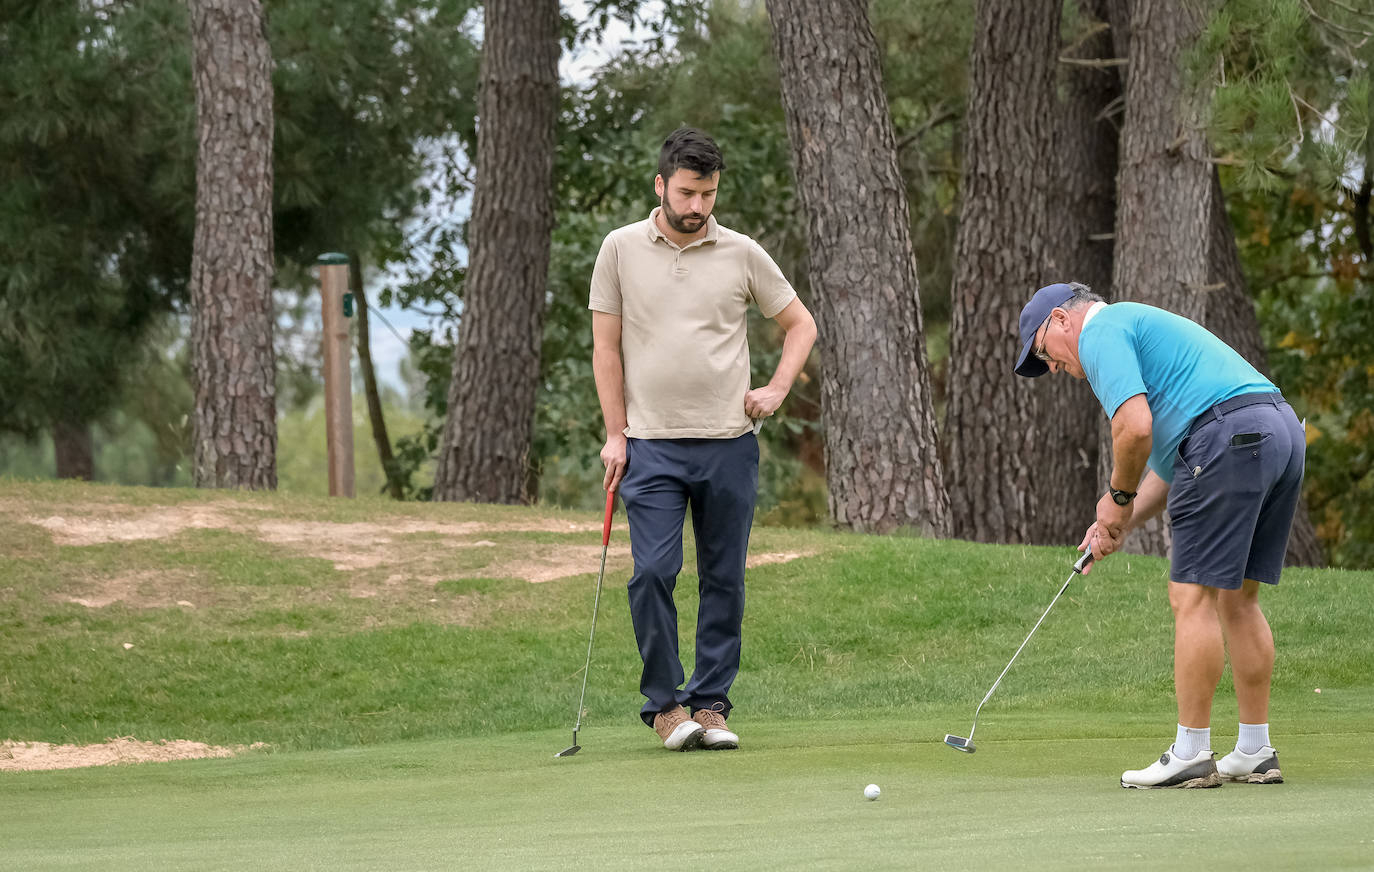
column 718, row 479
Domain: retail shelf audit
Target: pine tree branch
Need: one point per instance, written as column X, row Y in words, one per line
column 931, row 123
column 1334, row 26
column 1352, row 10
column 1096, row 63
column 1097, row 28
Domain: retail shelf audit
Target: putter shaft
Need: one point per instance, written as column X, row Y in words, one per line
column 591, row 637
column 1078, row 568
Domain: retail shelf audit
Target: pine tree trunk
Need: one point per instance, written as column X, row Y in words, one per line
column 1231, row 316
column 883, row 466
column 235, row 441
column 73, row 450
column 1014, row 445
column 484, row 455
column 1164, row 186
column 1080, row 247
column 369, row 373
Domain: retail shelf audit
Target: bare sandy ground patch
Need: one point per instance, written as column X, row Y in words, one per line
column 140, row 590
column 774, row 557
column 133, row 524
column 32, row 756
column 349, row 546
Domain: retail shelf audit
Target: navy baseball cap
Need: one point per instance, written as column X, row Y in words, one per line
column 1045, row 301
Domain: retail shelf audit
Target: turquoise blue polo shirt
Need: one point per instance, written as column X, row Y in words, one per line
column 1181, row 368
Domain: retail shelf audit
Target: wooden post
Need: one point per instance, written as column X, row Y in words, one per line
column 336, row 306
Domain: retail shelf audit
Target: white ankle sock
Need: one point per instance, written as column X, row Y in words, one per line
column 1252, row 737
column 1190, row 741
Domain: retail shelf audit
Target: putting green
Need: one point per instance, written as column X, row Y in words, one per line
column 791, row 798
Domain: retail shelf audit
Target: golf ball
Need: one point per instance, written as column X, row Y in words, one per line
column 872, row 792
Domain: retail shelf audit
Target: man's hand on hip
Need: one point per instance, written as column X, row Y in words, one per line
column 763, row 402
column 613, row 457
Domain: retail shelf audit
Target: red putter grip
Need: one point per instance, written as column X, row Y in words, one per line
column 606, row 527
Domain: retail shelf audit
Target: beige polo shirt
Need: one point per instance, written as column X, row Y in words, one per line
column 682, row 325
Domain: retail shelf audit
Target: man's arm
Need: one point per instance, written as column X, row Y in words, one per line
column 609, row 370
column 800, row 334
column 1132, row 437
column 1149, row 503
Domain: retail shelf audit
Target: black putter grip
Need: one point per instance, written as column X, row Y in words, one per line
column 1083, row 561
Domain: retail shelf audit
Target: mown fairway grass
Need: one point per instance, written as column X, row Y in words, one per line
column 415, row 728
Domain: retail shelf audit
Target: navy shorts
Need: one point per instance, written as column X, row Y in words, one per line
column 1237, row 480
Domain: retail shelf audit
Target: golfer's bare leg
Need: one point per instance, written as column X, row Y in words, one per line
column 1250, row 643
column 1199, row 651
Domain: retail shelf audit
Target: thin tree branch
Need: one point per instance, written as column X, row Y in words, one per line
column 1098, row 63
column 1297, row 113
column 374, row 310
column 931, row 123
column 1097, row 28
column 1352, row 10
column 1334, row 26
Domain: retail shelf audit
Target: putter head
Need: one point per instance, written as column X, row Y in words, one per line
column 959, row 743
column 571, row 749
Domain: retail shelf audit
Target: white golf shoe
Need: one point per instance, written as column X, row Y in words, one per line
column 678, row 732
column 1170, row 771
column 717, row 736
column 1261, row 767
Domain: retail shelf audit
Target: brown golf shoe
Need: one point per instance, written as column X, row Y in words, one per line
column 716, row 737
column 678, row 732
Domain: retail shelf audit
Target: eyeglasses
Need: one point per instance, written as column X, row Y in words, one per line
column 1040, row 349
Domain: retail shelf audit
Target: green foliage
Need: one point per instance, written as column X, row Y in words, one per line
column 97, row 168
column 358, row 101
column 96, row 198
column 1286, row 91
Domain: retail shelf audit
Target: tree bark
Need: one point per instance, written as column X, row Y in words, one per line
column 1164, row 185
column 374, row 399
column 484, row 455
column 73, row 450
column 883, row 467
column 1014, row 445
column 1080, row 246
column 235, row 440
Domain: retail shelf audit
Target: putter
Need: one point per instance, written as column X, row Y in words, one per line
column 959, row 743
column 601, row 576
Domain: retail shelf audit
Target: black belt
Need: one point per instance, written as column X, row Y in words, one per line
column 1216, row 412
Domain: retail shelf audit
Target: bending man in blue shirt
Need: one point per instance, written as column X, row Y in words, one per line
column 1195, row 426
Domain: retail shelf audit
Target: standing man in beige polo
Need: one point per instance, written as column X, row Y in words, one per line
column 669, row 300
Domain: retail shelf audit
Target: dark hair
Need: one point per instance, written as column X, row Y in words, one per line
column 688, row 148
column 1082, row 296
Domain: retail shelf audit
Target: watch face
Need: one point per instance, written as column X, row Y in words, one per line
column 1120, row 498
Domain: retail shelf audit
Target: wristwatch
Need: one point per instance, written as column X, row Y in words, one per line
column 1120, row 497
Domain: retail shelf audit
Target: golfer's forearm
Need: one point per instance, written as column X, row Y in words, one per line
column 796, row 346
column 1150, row 501
column 610, row 389
column 1128, row 463
column 1132, row 436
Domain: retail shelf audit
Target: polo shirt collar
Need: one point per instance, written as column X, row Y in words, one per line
column 712, row 229
column 1092, row 312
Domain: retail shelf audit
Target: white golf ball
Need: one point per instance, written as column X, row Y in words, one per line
column 872, row 792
